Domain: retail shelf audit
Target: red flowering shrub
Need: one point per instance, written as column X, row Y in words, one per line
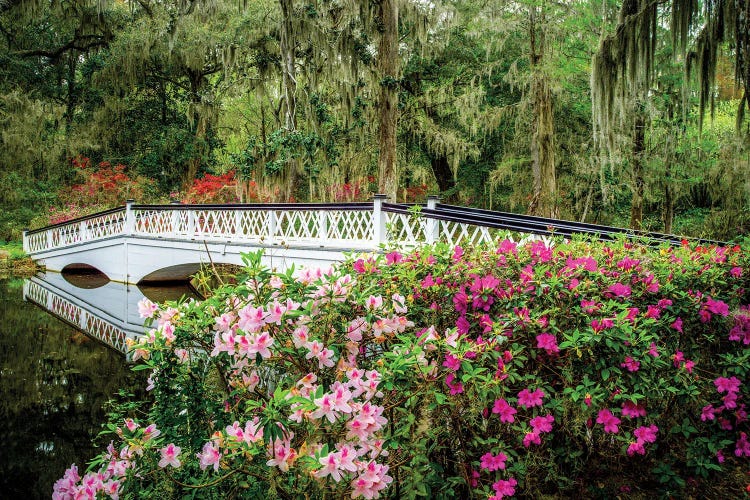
column 213, row 189
column 102, row 186
column 575, row 369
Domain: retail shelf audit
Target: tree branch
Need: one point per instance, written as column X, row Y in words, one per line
column 82, row 44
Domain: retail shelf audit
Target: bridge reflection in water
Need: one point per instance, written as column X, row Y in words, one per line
column 104, row 310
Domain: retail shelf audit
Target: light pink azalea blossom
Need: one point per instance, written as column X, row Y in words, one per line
column 169, row 456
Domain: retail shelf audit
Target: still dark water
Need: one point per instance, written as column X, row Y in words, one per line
column 54, row 383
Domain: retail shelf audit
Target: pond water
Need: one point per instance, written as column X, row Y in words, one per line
column 54, row 379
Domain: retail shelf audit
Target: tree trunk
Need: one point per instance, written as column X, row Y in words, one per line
column 639, row 146
column 289, row 90
column 388, row 103
column 443, row 176
column 196, row 85
column 544, row 196
column 668, row 199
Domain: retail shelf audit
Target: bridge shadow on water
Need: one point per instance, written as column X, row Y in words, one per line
column 102, row 309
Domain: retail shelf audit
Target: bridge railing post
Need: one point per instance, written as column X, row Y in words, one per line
column 129, row 217
column 175, row 219
column 191, row 224
column 272, row 222
column 25, row 241
column 432, row 226
column 322, row 226
column 379, row 229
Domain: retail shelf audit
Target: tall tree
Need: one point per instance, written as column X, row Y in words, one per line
column 622, row 70
column 388, row 69
column 543, row 201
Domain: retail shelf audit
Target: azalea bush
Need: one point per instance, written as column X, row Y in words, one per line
column 565, row 368
column 101, row 186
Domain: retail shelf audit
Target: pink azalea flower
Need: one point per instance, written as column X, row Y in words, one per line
column 653, row 312
column 146, row 308
column 455, row 388
column 609, row 421
column 209, row 456
column 491, row 462
column 633, row 410
column 677, row 325
column 653, row 351
column 325, row 408
column 371, row 481
column 458, row 252
column 451, row 362
column 531, row 438
column 678, row 357
column 707, row 413
column 505, row 411
column 331, row 464
column 688, row 365
column 589, row 306
column 548, row 342
column 282, row 455
column 735, row 272
column 393, row 258
column 716, row 307
column 646, row 434
column 374, row 303
column 619, row 290
column 251, row 318
column 169, row 456
column 724, row 384
column 631, row 364
column 529, row 399
column 742, row 446
column 636, row 447
column 542, row 424
column 505, row 488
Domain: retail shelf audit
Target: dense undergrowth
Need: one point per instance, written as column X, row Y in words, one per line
column 578, row 368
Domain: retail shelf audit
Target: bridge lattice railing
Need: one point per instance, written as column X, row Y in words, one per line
column 363, row 226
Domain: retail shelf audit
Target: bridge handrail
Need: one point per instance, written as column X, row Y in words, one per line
column 366, row 205
column 562, row 226
column 83, row 218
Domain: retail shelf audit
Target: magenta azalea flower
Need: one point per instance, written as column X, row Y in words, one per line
column 631, row 364
column 505, row 411
column 677, row 325
column 531, row 438
column 646, row 434
column 724, row 384
column 619, row 290
column 492, row 462
column 542, row 423
column 632, row 410
column 530, row 399
column 609, row 421
column 548, row 342
column 505, row 488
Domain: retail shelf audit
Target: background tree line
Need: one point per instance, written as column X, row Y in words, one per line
column 488, row 103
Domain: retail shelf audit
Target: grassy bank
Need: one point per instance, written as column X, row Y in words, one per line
column 14, row 261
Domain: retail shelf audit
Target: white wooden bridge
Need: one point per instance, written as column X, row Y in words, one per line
column 151, row 243
column 144, row 243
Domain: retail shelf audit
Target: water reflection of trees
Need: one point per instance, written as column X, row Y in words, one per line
column 54, row 381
